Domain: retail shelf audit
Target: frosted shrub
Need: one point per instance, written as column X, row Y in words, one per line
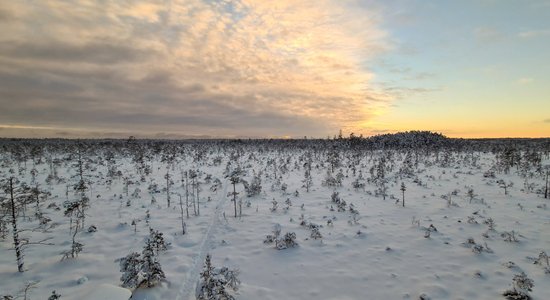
column 287, row 241
column 281, row 242
column 490, row 223
column 316, row 234
column 274, row 205
column 54, row 296
column 509, row 236
column 543, row 261
column 341, row 204
column 522, row 285
column 477, row 248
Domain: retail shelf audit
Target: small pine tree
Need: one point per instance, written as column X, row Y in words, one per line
column 141, row 270
column 214, row 282
column 403, row 189
column 546, row 183
column 150, row 267
column 471, row 194
column 502, row 184
column 308, row 180
column 287, row 241
column 522, row 285
column 255, row 186
column 54, row 296
column 157, row 241
column 130, row 266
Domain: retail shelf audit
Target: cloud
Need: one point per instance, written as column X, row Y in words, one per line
column 547, row 120
column 534, row 33
column 58, row 51
column 192, row 67
column 400, row 92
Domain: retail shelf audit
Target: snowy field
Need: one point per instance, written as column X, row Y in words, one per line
column 471, row 220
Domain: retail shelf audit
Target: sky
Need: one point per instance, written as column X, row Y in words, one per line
column 255, row 68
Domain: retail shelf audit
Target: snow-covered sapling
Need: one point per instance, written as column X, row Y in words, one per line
column 17, row 197
column 286, row 241
column 54, row 296
column 157, row 241
column 490, row 223
column 509, row 236
column 340, row 203
column 3, row 228
column 136, row 193
column 274, row 205
column 16, row 241
column 168, row 178
column 255, row 186
column 215, row 283
column 357, row 184
column 284, row 187
column 472, row 220
column 24, row 292
column 270, row 238
column 522, row 285
column 471, row 194
column 428, row 230
column 131, row 268
column 307, row 181
column 152, row 270
column 288, row 202
column 354, row 215
column 330, row 181
column 502, row 184
column 234, row 178
column 315, row 233
column 92, row 229
column 542, row 260
column 403, row 189
column 183, row 225
column 547, row 182
column 477, row 248
column 141, row 270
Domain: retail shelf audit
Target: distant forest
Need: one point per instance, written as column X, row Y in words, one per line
column 419, row 140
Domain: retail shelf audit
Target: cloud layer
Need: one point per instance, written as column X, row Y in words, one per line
column 216, row 68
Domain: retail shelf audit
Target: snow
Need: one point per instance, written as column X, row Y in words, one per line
column 108, row 291
column 389, row 259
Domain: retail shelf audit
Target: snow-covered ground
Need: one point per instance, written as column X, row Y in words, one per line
column 384, row 253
